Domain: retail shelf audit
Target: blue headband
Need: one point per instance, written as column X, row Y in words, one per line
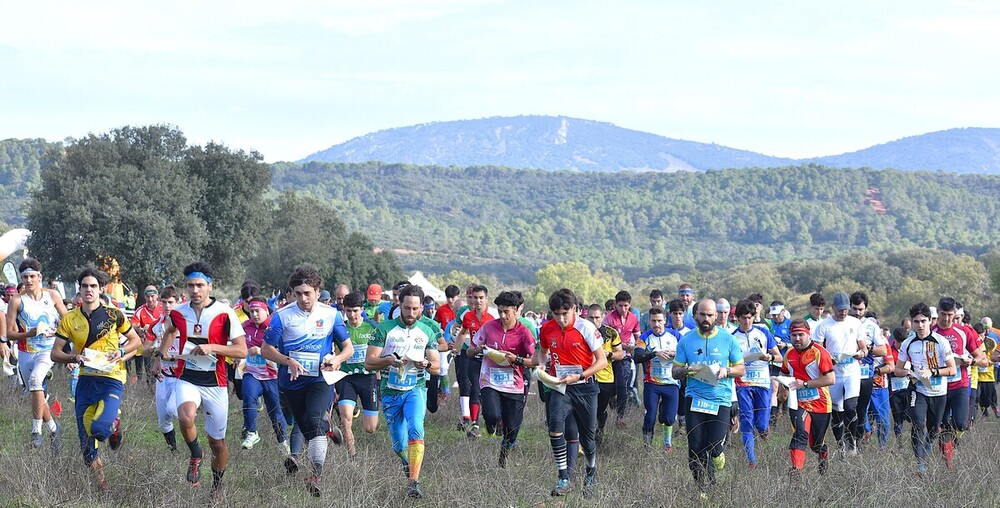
column 685, row 291
column 199, row 275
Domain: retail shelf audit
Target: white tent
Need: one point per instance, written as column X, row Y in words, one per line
column 430, row 290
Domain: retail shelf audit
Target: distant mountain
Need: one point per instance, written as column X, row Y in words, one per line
column 969, row 150
column 540, row 142
column 553, row 143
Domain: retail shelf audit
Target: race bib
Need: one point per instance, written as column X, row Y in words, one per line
column 937, row 381
column 502, row 377
column 204, row 363
column 360, row 350
column 565, row 370
column 807, row 394
column 899, row 384
column 700, row 405
column 846, row 361
column 957, row 376
column 310, row 362
column 866, row 371
column 403, row 383
column 757, row 377
column 660, row 371
column 256, row 361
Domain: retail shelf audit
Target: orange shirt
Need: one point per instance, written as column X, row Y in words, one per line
column 808, row 365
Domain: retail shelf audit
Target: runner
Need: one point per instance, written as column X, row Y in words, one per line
column 207, row 332
column 709, row 405
column 166, row 377
column 624, row 321
column 656, row 299
column 606, row 376
column 144, row 318
column 437, row 386
column 301, row 339
column 371, row 307
column 899, row 387
column 778, row 323
column 812, row 369
column 576, row 351
column 753, row 389
column 968, row 349
column 94, row 332
column 359, row 383
column 395, row 347
column 925, row 356
column 260, row 379
column 842, row 335
column 502, row 379
column 817, row 305
column 875, row 344
column 472, row 318
column 656, row 349
column 32, row 318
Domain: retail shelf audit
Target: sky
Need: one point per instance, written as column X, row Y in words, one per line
column 782, row 78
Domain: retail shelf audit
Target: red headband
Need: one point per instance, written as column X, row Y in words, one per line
column 257, row 304
column 799, row 328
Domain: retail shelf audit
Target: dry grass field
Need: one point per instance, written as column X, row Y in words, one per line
column 459, row 472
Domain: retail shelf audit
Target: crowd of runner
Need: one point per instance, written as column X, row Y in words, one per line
column 716, row 372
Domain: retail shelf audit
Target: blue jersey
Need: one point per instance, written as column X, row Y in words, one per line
column 307, row 337
column 720, row 348
column 781, row 330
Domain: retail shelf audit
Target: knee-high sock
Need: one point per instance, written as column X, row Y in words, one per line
column 465, row 406
column 559, row 454
column 415, row 454
column 317, row 453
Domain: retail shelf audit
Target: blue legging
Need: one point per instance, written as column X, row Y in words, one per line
column 755, row 415
column 97, row 401
column 254, row 388
column 404, row 414
column 880, row 407
column 659, row 400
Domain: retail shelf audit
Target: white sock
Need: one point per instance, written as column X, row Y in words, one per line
column 317, row 453
column 36, row 426
column 51, row 424
column 466, row 412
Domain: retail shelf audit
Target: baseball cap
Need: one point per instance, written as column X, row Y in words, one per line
column 841, row 301
column 324, row 295
column 374, row 291
column 987, row 322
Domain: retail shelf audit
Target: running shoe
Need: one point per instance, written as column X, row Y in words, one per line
column 719, row 462
column 36, row 440
column 250, row 440
column 194, row 472
column 474, row 432
column 563, row 487
column 291, row 465
column 57, row 442
column 413, row 490
column 312, row 485
column 115, row 439
column 336, row 435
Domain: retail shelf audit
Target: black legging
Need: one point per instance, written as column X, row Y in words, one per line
column 309, row 406
column 847, row 420
column 623, row 381
column 468, row 369
column 502, row 406
column 603, row 401
column 811, row 436
column 706, row 440
column 864, row 400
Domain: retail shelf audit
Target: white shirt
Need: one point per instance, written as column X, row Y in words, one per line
column 840, row 338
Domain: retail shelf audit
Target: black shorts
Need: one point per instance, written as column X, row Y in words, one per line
column 358, row 386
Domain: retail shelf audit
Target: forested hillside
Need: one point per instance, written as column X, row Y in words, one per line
column 20, row 160
column 648, row 224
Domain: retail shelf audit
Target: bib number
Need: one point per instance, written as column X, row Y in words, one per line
column 957, row 377
column 309, row 362
column 866, row 371
column 405, row 382
column 936, row 381
column 41, row 343
column 899, row 384
column 565, row 370
column 659, row 371
column 700, row 405
column 360, row 350
column 807, row 394
column 256, row 361
column 502, row 377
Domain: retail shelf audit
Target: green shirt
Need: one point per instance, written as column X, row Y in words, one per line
column 394, row 337
column 360, row 336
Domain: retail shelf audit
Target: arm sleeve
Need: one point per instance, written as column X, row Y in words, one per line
column 901, row 354
column 339, row 333
column 771, row 343
column 681, row 357
column 825, row 362
column 735, row 353
column 274, row 331
column 378, row 338
column 641, row 355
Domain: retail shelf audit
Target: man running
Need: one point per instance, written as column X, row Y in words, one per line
column 502, row 379
column 360, row 382
column 926, row 357
column 166, row 377
column 656, row 349
column 812, row 369
column 143, row 320
column 95, row 332
column 624, row 321
column 406, row 348
column 207, row 333
column 707, row 352
column 32, row 317
column 472, row 318
column 842, row 335
column 301, row 339
column 372, row 303
column 606, row 376
column 753, row 389
column 968, row 351
column 576, row 353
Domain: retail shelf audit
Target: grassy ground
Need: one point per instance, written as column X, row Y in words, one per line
column 458, row 472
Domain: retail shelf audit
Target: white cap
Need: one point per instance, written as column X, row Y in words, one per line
column 933, row 312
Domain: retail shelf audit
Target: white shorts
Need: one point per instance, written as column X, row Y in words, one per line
column 214, row 401
column 33, row 368
column 845, row 387
column 166, row 406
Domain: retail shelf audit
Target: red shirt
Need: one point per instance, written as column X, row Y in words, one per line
column 144, row 318
column 572, row 346
column 808, row 365
column 472, row 323
column 217, row 324
column 444, row 315
column 963, row 340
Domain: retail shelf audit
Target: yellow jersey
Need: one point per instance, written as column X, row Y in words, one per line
column 102, row 331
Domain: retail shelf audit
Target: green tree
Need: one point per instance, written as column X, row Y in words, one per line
column 591, row 286
column 124, row 195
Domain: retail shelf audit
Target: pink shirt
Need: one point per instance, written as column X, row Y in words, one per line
column 963, row 340
column 628, row 328
column 257, row 366
column 518, row 340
